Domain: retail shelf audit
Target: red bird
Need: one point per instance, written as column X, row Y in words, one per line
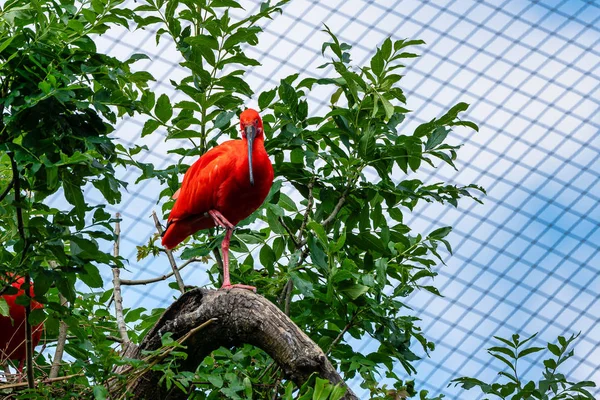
column 12, row 332
column 223, row 187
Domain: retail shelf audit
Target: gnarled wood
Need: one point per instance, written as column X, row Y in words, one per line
column 241, row 317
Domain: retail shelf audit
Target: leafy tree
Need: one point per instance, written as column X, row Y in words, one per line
column 552, row 386
column 336, row 256
column 60, row 99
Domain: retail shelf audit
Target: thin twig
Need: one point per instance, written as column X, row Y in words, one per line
column 73, row 337
column 47, row 380
column 337, row 208
column 61, row 341
column 21, row 229
column 341, row 334
column 287, row 229
column 218, row 259
column 117, row 285
column 129, row 282
column 275, row 389
column 153, row 359
column 309, row 205
column 288, row 297
column 169, row 255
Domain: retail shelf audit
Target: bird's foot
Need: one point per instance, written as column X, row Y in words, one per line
column 238, row 286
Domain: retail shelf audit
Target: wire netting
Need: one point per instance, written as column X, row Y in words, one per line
column 527, row 260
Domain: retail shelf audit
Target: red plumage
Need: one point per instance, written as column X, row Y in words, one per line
column 222, row 184
column 12, row 333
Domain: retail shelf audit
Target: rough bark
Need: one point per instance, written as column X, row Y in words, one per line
column 241, row 317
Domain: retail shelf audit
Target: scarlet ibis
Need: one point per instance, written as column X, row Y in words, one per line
column 223, row 187
column 12, row 329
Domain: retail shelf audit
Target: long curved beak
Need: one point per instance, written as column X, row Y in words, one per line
column 250, row 135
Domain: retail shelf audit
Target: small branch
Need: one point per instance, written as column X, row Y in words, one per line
column 218, row 259
column 169, row 255
column 129, row 282
column 276, row 389
column 21, row 228
column 117, row 285
column 61, row 341
column 309, row 205
column 72, row 337
column 48, row 380
column 288, row 297
column 337, row 208
column 341, row 334
column 20, row 224
column 28, row 338
column 287, row 229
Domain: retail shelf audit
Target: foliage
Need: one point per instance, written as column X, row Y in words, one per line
column 552, row 386
column 60, row 99
column 339, row 261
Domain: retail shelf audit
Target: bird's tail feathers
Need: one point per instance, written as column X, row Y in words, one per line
column 179, row 229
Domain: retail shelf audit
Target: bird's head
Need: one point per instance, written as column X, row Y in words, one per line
column 252, row 128
column 251, row 124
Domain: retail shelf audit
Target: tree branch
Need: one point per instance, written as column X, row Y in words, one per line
column 309, row 205
column 117, row 285
column 129, row 282
column 60, row 345
column 240, row 316
column 169, row 255
column 21, row 229
column 337, row 208
column 218, row 259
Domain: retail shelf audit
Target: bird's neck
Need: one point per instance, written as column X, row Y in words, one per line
column 259, row 144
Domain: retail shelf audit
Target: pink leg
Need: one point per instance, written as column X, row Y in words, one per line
column 220, row 220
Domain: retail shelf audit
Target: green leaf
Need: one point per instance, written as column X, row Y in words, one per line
column 322, row 389
column 163, row 109
column 267, row 258
column 387, row 106
column 319, row 231
column 4, row 310
column 6, row 43
column 355, row 291
column 436, row 138
column 215, row 380
column 530, row 350
column 203, row 41
column 440, row 232
column 317, row 254
column 150, row 126
column 377, row 63
column 303, row 285
column 225, row 3
column 74, row 196
column 265, row 98
column 503, row 350
column 100, row 392
column 554, row 349
column 223, row 119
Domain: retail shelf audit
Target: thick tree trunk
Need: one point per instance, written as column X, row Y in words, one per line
column 240, row 316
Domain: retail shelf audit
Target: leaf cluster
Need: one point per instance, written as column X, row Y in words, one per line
column 552, row 386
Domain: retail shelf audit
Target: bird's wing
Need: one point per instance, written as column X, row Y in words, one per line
column 202, row 181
